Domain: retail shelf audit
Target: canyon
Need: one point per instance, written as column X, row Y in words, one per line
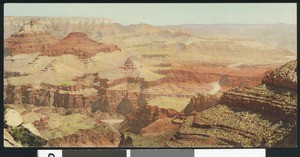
column 89, row 82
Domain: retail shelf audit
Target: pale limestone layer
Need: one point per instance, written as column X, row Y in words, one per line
column 13, row 118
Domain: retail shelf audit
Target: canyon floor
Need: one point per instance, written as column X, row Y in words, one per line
column 108, row 85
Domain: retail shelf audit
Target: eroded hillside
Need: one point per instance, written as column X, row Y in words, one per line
column 91, row 82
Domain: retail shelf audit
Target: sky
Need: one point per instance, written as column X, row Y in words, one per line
column 164, row 14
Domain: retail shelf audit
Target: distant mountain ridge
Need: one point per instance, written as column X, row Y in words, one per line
column 281, row 35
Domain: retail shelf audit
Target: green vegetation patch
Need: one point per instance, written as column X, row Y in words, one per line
column 26, row 138
column 66, row 125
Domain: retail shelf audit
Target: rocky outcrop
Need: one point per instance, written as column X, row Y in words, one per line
column 144, row 116
column 129, row 104
column 277, row 95
column 73, row 100
column 223, row 126
column 9, row 141
column 125, row 141
column 18, row 133
column 13, row 94
column 31, row 38
column 42, row 124
column 12, row 118
column 262, row 116
column 78, row 44
column 38, row 97
column 111, row 100
column 200, row 103
column 68, row 97
column 262, row 99
column 285, row 76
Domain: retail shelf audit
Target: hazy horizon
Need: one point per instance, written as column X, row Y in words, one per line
column 169, row 14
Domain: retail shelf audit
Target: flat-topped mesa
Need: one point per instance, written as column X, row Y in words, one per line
column 79, row 44
column 32, row 37
column 284, row 77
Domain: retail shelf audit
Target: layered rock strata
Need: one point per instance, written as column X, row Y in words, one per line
column 285, row 76
column 262, row 116
column 79, row 44
column 31, row 38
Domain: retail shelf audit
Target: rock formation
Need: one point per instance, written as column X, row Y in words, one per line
column 264, row 100
column 200, row 103
column 129, row 104
column 31, row 38
column 285, row 76
column 125, row 141
column 262, row 116
column 276, row 96
column 18, row 133
column 68, row 97
column 41, row 124
column 9, row 140
column 144, row 116
column 79, row 44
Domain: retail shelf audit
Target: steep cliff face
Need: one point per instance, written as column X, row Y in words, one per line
column 87, row 96
column 129, row 104
column 38, row 97
column 60, row 26
column 68, row 97
column 75, row 100
column 200, row 103
column 13, row 94
column 144, row 116
column 111, row 100
column 262, row 99
column 285, row 76
column 79, row 44
column 31, row 38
